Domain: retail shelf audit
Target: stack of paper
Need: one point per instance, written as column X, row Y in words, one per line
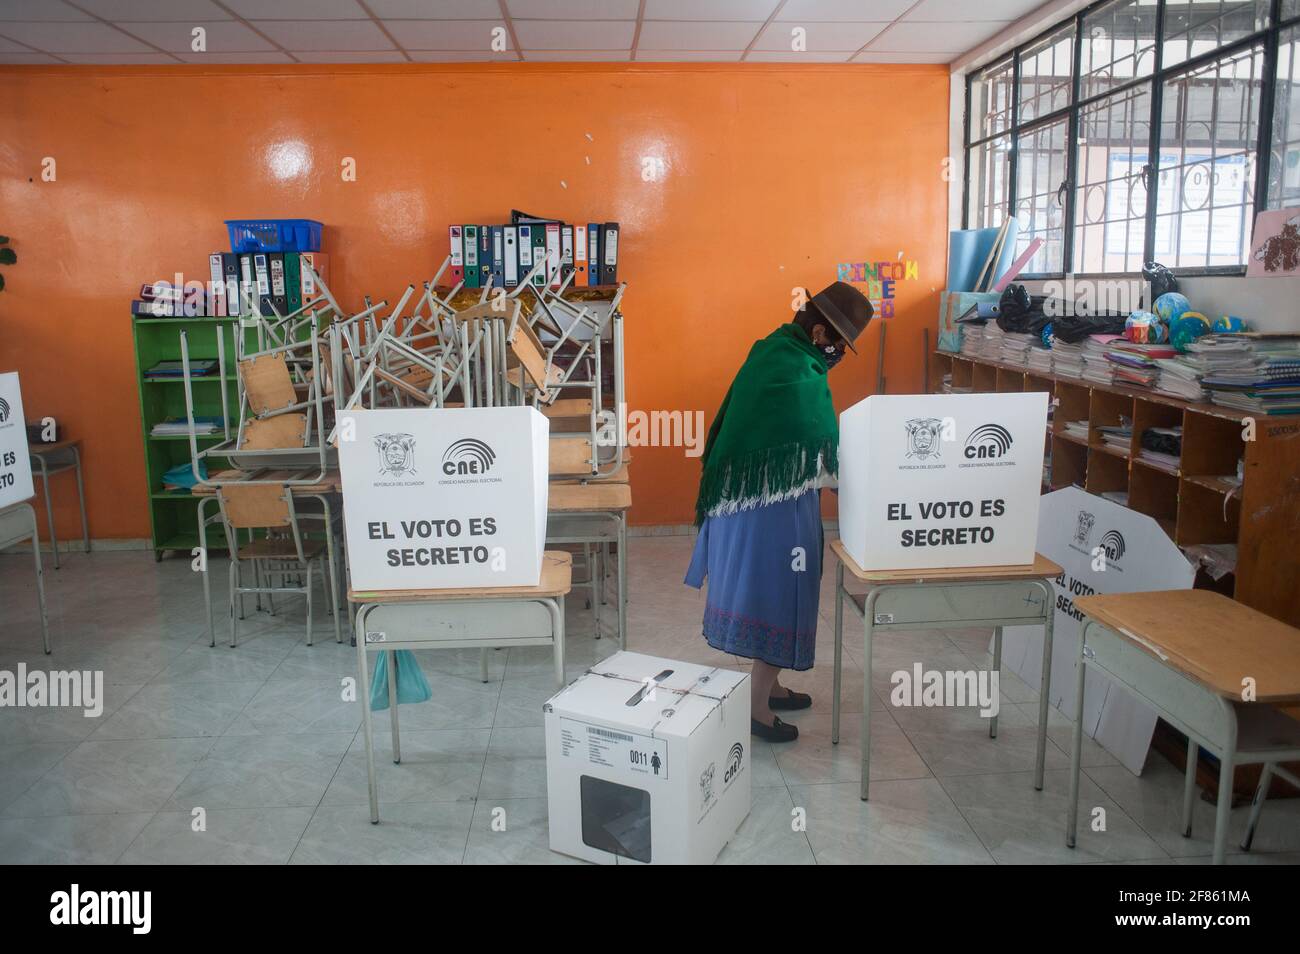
column 1076, row 429
column 1264, row 379
column 179, row 426
column 1067, row 358
column 972, row 340
column 1039, row 358
column 1015, row 348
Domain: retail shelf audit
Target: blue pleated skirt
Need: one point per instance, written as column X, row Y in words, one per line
column 764, row 571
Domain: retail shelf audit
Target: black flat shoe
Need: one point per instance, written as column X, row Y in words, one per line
column 790, row 701
column 778, row 731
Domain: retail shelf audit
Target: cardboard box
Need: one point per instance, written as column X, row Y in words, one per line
column 444, row 498
column 941, row 480
column 648, row 761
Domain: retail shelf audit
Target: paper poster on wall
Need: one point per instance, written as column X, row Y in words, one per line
column 444, row 498
column 15, row 465
column 1102, row 548
column 941, row 480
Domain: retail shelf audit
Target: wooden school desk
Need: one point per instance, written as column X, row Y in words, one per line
column 594, row 514
column 48, row 460
column 482, row 618
column 1188, row 654
column 959, row 598
column 329, row 486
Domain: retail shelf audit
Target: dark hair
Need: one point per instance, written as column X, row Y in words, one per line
column 808, row 316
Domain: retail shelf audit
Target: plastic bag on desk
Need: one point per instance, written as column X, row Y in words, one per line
column 411, row 684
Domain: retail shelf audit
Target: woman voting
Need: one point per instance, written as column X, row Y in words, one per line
column 772, row 447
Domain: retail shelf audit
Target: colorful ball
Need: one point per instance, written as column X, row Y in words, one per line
column 1186, row 328
column 1145, row 328
column 1228, row 324
column 1170, row 305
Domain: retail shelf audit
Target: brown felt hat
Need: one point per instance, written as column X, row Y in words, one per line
column 846, row 308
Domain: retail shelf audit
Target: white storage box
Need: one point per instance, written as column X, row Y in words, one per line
column 648, row 761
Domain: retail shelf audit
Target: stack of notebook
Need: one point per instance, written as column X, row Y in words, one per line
column 1067, row 358
column 1015, row 348
column 972, row 340
column 199, row 367
column 1039, row 358
column 1264, row 380
column 1135, row 364
column 1117, row 437
column 179, row 426
column 1095, row 366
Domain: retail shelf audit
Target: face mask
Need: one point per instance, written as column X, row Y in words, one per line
column 832, row 354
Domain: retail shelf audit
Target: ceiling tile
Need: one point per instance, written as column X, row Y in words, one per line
column 36, row 10
column 73, row 38
column 222, row 37
column 687, row 56
column 297, row 9
column 145, row 11
column 354, row 35
column 219, row 59
column 442, row 10
column 26, row 59
column 944, row 11
column 556, row 56
column 574, row 35
column 758, row 10
column 360, row 56
column 119, row 59
column 934, row 37
column 460, row 56
column 700, row 35
column 844, row 10
column 779, row 56
column 444, row 34
column 867, row 56
column 820, row 36
column 572, row 9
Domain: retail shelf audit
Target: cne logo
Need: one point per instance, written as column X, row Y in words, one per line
column 735, row 758
column 1112, row 544
column 468, row 456
column 988, row 442
column 4, row 410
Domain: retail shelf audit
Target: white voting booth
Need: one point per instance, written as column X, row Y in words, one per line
column 941, row 480
column 444, row 498
column 15, row 464
column 648, row 761
column 1102, row 548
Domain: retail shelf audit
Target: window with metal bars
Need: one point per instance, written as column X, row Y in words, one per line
column 1139, row 130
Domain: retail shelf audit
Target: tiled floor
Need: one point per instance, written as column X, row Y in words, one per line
column 261, row 739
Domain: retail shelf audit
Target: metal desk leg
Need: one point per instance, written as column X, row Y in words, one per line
column 333, row 568
column 1076, row 751
column 1257, row 805
column 839, row 652
column 997, row 668
column 556, row 609
column 392, row 707
column 868, row 624
column 483, row 664
column 363, row 696
column 1189, row 784
column 49, row 509
column 1227, row 762
column 1044, row 682
column 81, row 496
column 40, row 581
column 207, row 582
column 622, row 580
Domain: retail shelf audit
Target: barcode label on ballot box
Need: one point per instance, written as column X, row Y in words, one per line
column 614, row 748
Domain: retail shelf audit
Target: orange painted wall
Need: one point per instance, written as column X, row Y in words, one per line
column 773, row 175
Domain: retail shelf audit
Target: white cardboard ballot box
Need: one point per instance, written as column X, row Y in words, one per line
column 444, row 498
column 941, row 480
column 15, row 464
column 648, row 761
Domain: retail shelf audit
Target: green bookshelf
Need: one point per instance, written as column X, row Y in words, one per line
column 173, row 517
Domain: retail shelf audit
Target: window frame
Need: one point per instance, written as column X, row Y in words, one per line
column 1269, row 37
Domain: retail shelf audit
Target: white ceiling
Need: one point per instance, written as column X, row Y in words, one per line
column 431, row 31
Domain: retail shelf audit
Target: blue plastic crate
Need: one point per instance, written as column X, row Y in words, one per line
column 274, row 235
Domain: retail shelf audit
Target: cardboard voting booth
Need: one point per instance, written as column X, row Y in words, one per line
column 941, row 480
column 444, row 498
column 648, row 761
column 15, row 464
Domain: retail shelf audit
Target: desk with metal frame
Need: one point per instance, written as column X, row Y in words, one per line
column 1191, row 655
column 482, row 618
column 594, row 514
column 330, row 487
column 960, row 598
column 48, row 460
column 18, row 523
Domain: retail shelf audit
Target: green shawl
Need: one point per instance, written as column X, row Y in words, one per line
column 776, row 432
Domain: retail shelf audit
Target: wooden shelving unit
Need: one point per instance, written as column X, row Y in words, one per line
column 1198, row 503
